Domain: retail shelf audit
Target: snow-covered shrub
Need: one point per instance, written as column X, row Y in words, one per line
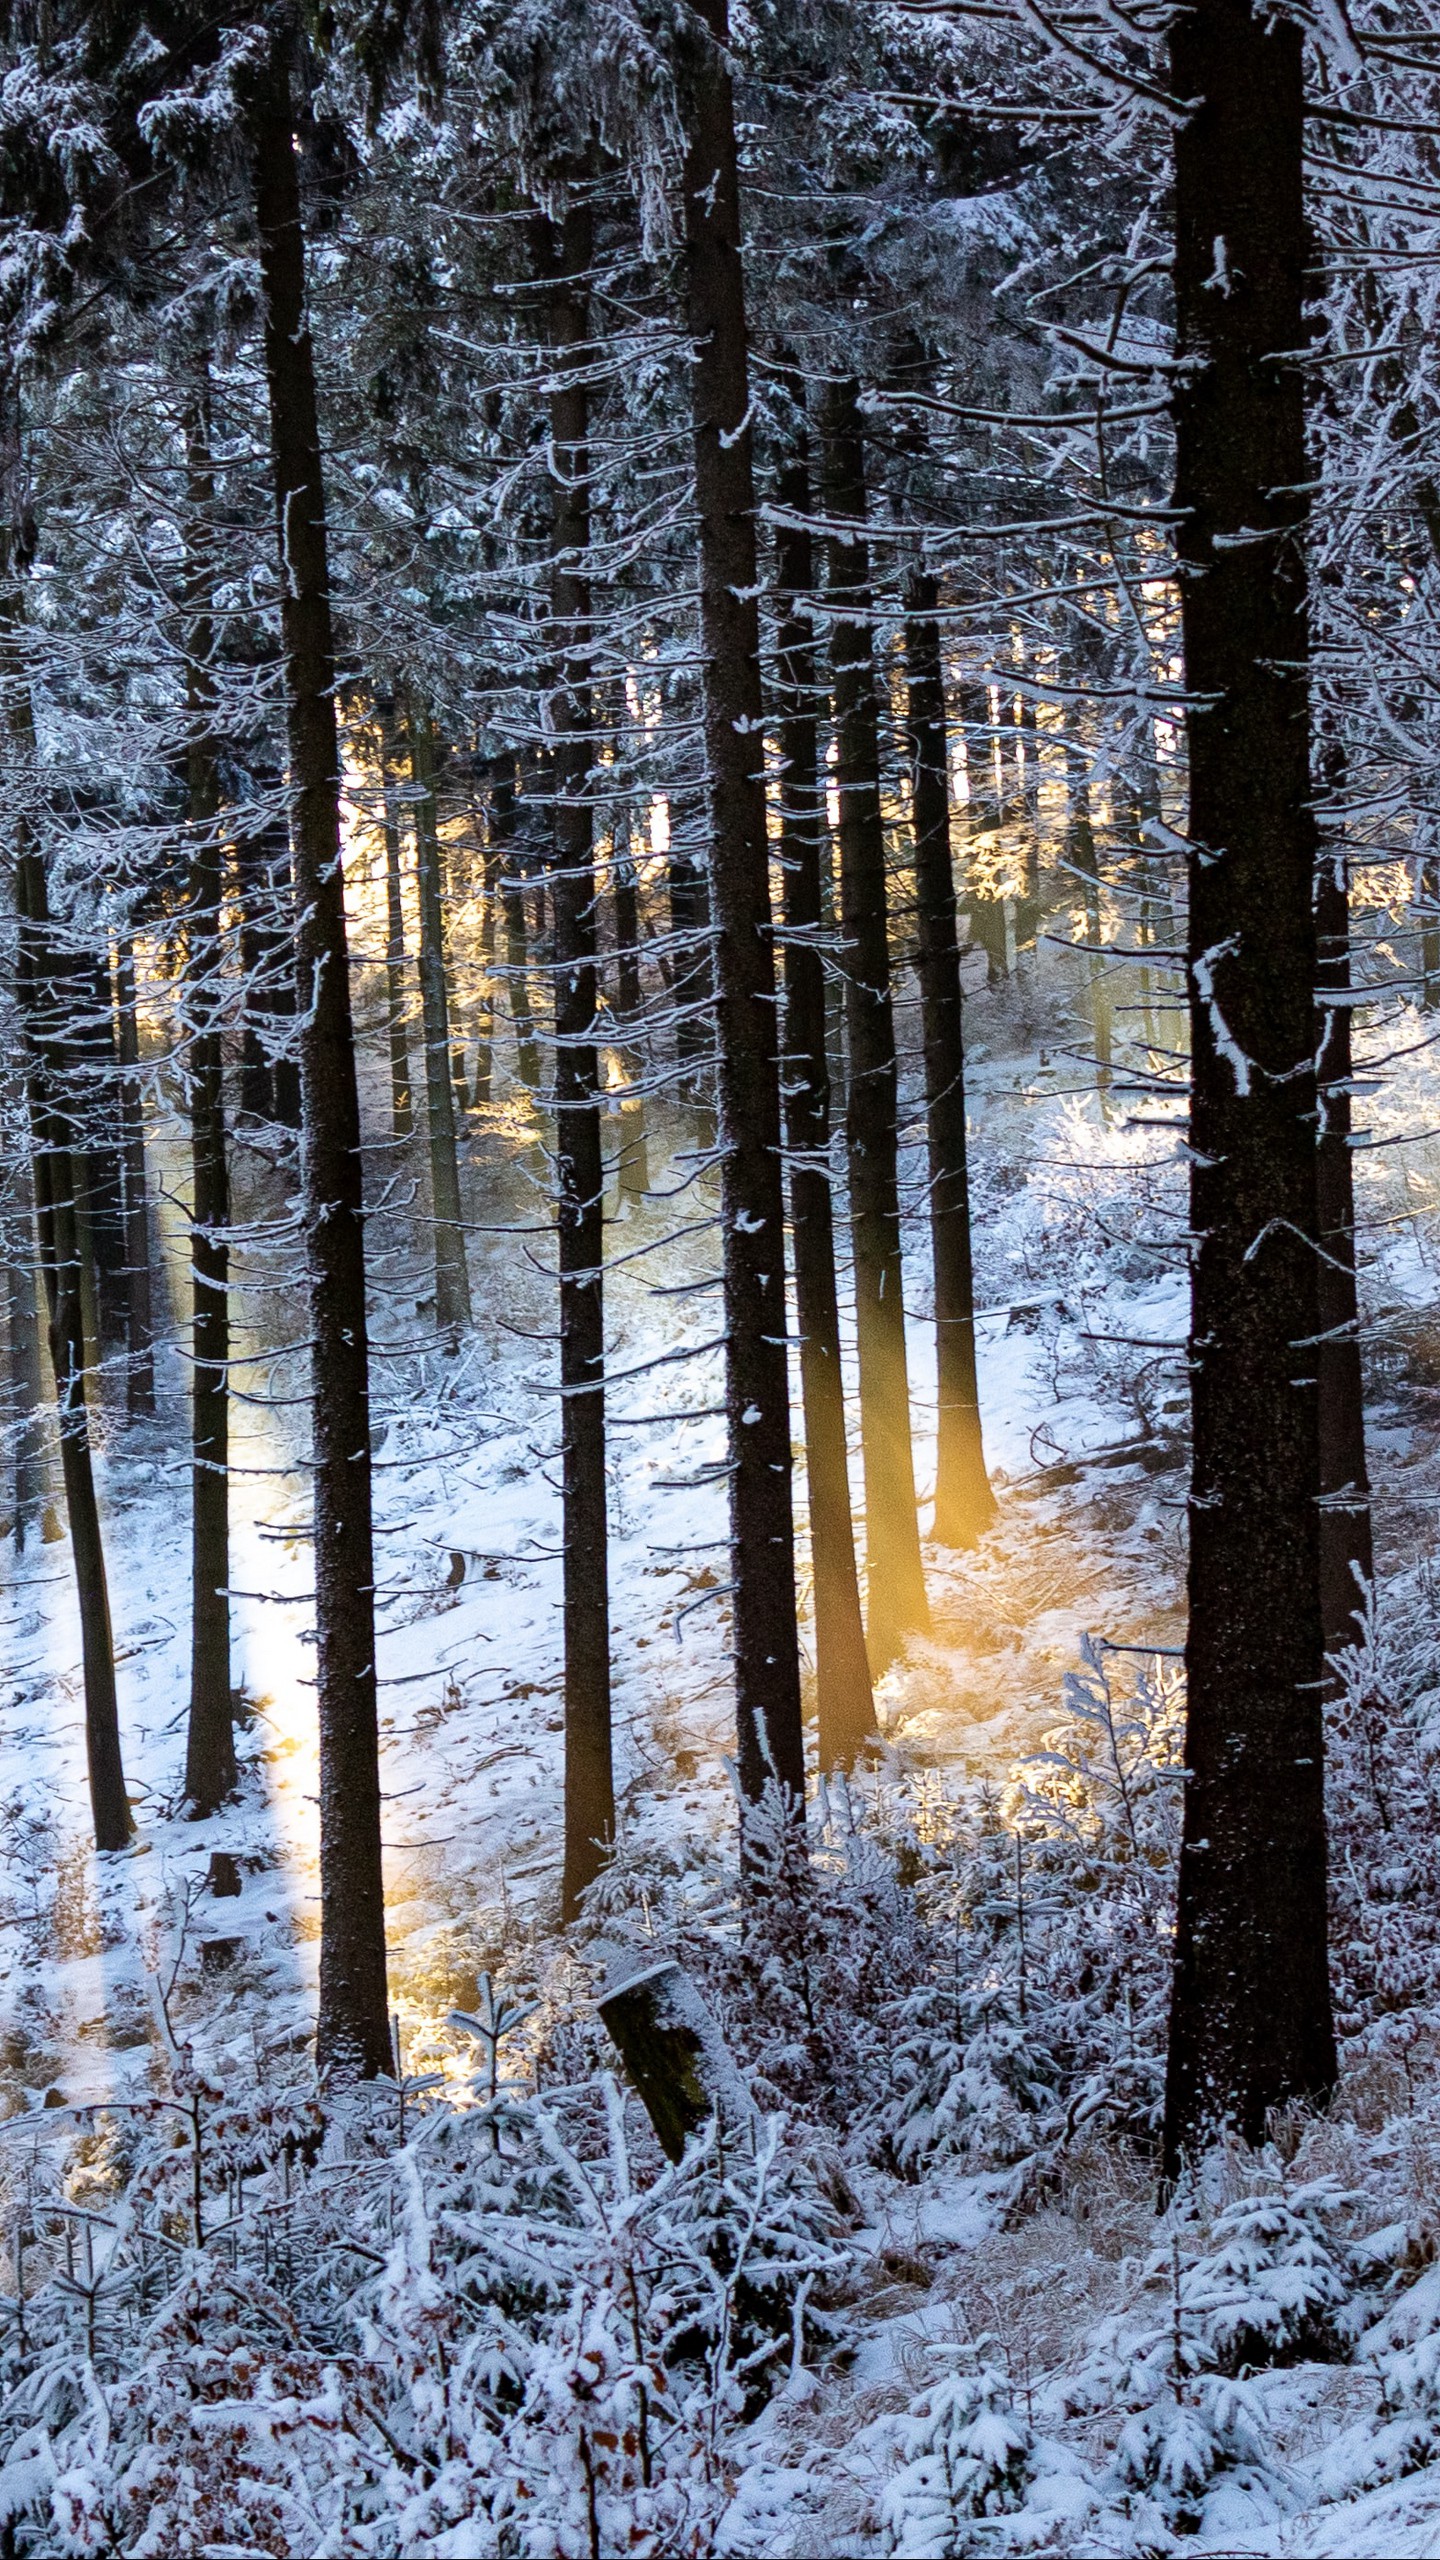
column 1048, row 1909
column 964, row 2451
column 1383, row 1800
column 1171, row 2454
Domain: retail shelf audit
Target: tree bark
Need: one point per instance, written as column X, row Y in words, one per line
column 140, row 1311
column 1346, row 1545
column 964, row 1503
column 1251, row 2024
column 402, row 1108
column 625, row 892
column 895, row 1578
column 452, row 1273
column 26, row 1389
column 564, row 251
column 503, row 828
column 353, row 2032
column 41, row 986
column 210, row 1743
column 845, row 1705
column 767, row 1662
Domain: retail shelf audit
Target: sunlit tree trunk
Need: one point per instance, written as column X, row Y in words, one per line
column 402, row 1108
column 896, row 1605
column 452, row 1275
column 964, row 1503
column 564, row 254
column 210, row 1743
column 353, row 2034
column 845, row 1706
column 767, row 1662
column 140, row 1312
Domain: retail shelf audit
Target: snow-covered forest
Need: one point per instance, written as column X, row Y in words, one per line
column 720, row 1206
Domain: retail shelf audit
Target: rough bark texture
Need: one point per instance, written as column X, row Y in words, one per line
column 452, row 1275
column 767, row 1665
column 26, row 1389
column 1251, row 2021
column 402, row 1107
column 845, row 1706
column 964, row 1503
column 40, row 987
column 563, row 259
column 504, row 823
column 139, row 1309
column 210, row 1740
column 353, row 2034
column 894, row 1574
column 1346, row 1546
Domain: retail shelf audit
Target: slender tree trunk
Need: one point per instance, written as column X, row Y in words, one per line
column 767, row 1661
column 210, row 1743
column 564, row 254
column 1346, row 1547
column 452, row 1274
column 353, row 2036
column 102, row 1201
column 625, row 891
column 26, row 1389
column 402, row 1109
column 485, row 1019
column 269, row 1073
column 44, row 996
column 140, row 1311
column 1251, row 2022
column 1085, row 863
column 694, row 981
column 964, row 1503
column 895, row 1579
column 1430, row 935
column 845, row 1705
column 503, row 829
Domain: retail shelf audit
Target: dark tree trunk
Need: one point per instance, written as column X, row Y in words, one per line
column 503, row 830
column 402, row 1107
column 485, row 1012
column 1430, row 935
column 26, row 1388
column 1251, row 2023
column 210, row 1742
column 1085, row 863
column 693, row 987
column 895, row 1579
column 269, row 1072
column 44, row 1004
column 452, row 1274
column 94, row 1061
column 767, row 1662
column 353, row 2035
column 139, row 1306
column 1346, row 1547
column 564, row 253
column 964, row 1503
column 625, row 890
column 845, row 1706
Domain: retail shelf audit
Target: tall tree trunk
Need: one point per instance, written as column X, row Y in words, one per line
column 353, row 2035
column 845, row 1705
column 44, row 992
column 625, row 892
column 1346, row 1546
column 96, row 1067
column 1251, row 2023
column 504, row 819
column 564, row 254
column 452, row 1273
column 402, row 1108
column 1085, row 863
column 693, row 993
column 26, row 1389
column 140, row 1311
column 767, row 1661
column 269, row 1074
column 964, row 1503
column 485, row 1010
column 210, row 1742
column 895, row 1579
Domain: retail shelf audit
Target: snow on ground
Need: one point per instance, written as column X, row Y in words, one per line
column 1079, row 1211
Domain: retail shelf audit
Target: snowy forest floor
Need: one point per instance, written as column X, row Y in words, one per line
column 1045, row 2286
